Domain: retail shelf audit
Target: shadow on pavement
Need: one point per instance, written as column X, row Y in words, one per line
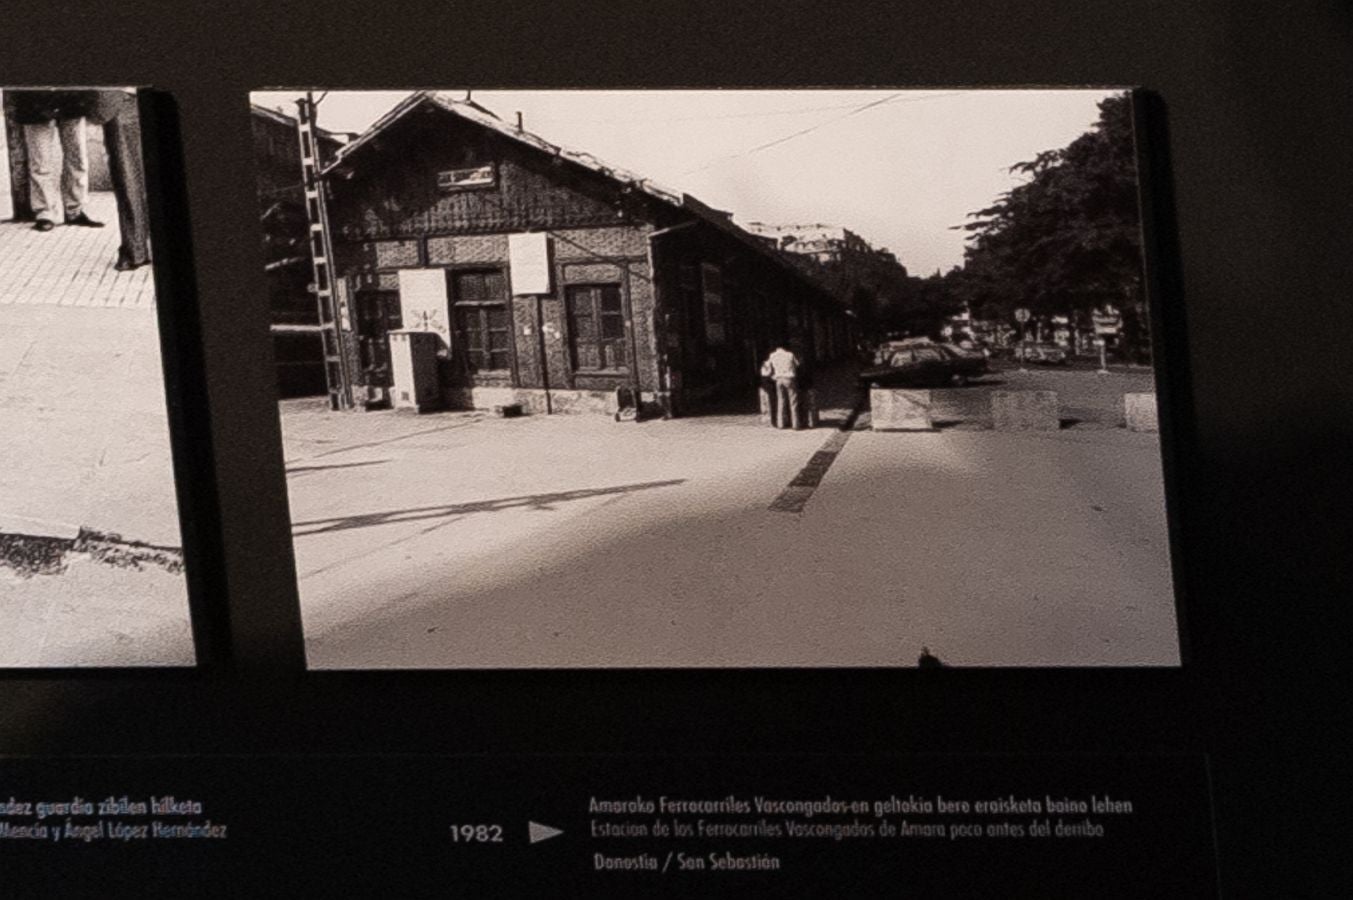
column 535, row 501
column 461, row 421
column 301, row 470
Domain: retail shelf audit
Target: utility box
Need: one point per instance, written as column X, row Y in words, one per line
column 414, row 370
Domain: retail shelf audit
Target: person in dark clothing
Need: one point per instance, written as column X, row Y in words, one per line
column 116, row 111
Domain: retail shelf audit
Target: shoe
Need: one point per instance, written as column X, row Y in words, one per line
column 43, row 225
column 85, row 220
column 124, row 264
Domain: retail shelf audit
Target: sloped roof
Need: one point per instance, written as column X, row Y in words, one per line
column 473, row 112
column 282, row 118
column 468, row 109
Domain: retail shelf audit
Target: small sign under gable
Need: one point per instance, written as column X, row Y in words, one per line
column 459, row 179
column 529, row 257
column 422, row 303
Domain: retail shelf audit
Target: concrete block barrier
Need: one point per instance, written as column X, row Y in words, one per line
column 893, row 409
column 1139, row 412
column 961, row 407
column 1025, row 411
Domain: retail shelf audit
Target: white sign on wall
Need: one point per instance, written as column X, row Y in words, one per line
column 422, row 303
column 529, row 256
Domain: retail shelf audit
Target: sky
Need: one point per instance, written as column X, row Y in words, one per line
column 899, row 168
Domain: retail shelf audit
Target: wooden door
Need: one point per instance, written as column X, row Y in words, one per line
column 378, row 314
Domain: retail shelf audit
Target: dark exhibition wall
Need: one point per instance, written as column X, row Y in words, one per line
column 1251, row 119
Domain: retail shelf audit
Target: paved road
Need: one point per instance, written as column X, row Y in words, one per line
column 459, row 540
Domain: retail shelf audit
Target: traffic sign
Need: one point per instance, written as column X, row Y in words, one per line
column 1021, row 315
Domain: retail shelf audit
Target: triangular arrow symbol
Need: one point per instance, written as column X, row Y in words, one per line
column 541, row 832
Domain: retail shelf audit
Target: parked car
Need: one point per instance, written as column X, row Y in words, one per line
column 969, row 345
column 924, row 364
column 972, row 352
column 1046, row 354
column 885, row 349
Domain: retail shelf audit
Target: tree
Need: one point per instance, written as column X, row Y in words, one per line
column 1068, row 240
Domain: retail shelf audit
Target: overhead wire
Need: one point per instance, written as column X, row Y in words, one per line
column 632, row 120
column 853, row 110
column 899, row 97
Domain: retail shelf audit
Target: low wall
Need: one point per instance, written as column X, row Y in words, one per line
column 894, row 409
column 1139, row 412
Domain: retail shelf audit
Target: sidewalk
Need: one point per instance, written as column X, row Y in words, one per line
column 71, row 266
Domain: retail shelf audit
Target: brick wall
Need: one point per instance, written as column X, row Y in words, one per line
column 611, row 254
column 394, row 191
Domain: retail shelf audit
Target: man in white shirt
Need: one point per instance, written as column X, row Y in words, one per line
column 782, row 366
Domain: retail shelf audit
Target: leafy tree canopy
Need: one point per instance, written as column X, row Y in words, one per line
column 1068, row 239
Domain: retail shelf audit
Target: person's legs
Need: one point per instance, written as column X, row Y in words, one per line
column 44, row 182
column 795, row 405
column 122, row 138
column 784, row 390
column 74, row 166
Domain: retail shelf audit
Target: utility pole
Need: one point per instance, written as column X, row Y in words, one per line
column 333, row 314
column 1022, row 317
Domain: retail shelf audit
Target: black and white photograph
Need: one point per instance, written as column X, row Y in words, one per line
column 91, row 559
column 687, row 449
column 717, row 378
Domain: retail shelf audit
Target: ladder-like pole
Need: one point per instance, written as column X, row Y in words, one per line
column 333, row 316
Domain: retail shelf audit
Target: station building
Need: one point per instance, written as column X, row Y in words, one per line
column 532, row 274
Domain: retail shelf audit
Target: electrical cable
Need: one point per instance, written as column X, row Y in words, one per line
column 898, row 97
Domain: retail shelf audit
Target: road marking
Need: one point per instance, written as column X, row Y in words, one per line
column 797, row 494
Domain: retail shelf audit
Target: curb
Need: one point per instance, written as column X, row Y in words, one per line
column 47, row 554
column 38, row 528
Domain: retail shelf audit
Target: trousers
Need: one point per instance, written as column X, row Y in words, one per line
column 787, row 407
column 122, row 138
column 58, row 169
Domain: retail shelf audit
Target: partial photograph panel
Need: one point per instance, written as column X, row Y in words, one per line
column 716, row 378
column 91, row 558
